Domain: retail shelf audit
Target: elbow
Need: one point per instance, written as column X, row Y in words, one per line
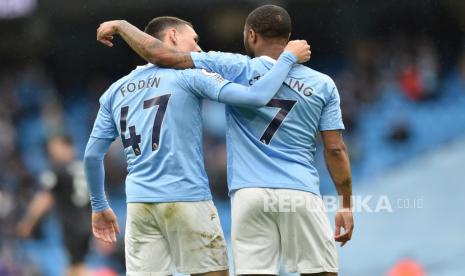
column 336, row 149
column 149, row 52
column 261, row 102
column 90, row 158
column 255, row 104
column 159, row 58
column 87, row 160
column 152, row 57
column 257, row 101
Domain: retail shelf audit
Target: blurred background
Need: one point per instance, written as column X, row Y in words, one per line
column 400, row 70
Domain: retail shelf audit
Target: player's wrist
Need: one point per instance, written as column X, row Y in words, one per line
column 345, row 201
column 118, row 25
column 289, row 57
column 100, row 210
column 345, row 209
column 99, row 206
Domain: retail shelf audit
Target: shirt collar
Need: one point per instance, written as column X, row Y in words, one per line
column 270, row 59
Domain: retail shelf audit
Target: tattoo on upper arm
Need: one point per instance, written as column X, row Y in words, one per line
column 155, row 44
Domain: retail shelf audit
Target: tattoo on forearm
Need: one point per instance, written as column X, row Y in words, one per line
column 186, row 61
column 154, row 44
column 347, row 183
column 154, row 50
column 179, row 59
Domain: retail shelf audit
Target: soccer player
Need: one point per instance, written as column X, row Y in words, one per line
column 65, row 186
column 271, row 149
column 156, row 112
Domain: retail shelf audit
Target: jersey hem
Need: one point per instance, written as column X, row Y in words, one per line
column 134, row 199
column 273, row 186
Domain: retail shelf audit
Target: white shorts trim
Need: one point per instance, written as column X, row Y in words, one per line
column 313, row 270
column 204, row 270
column 256, row 271
column 163, row 273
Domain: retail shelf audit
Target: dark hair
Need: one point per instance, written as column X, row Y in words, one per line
column 270, row 21
column 158, row 25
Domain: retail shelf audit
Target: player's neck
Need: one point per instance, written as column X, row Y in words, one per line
column 271, row 50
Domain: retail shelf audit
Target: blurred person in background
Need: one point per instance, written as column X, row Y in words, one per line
column 63, row 186
column 281, row 147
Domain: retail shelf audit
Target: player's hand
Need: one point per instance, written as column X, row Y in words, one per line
column 106, row 30
column 345, row 220
column 300, row 49
column 105, row 225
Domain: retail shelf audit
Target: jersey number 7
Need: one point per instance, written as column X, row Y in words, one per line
column 134, row 138
column 284, row 107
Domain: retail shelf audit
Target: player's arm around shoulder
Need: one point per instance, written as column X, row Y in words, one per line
column 146, row 46
column 262, row 91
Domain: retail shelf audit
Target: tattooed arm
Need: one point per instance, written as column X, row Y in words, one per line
column 149, row 48
column 337, row 161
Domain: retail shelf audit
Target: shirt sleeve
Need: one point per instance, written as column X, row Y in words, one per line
column 202, row 83
column 331, row 115
column 231, row 66
column 214, row 87
column 95, row 172
column 104, row 126
column 263, row 90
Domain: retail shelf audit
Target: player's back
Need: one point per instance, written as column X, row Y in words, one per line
column 160, row 127
column 274, row 146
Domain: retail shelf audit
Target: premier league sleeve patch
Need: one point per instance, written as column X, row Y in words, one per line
column 214, row 75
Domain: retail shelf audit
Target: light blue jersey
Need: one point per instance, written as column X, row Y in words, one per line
column 156, row 113
column 151, row 107
column 274, row 146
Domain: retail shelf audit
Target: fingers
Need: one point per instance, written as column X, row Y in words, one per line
column 107, row 235
column 300, row 48
column 106, row 42
column 116, row 227
column 105, row 35
column 97, row 233
column 338, row 231
column 344, row 237
column 105, row 39
column 110, row 235
column 344, row 220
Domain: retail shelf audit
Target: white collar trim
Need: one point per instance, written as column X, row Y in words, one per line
column 272, row 60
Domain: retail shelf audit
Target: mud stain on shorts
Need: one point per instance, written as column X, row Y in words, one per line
column 213, row 243
column 142, row 217
column 216, row 241
column 170, row 210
